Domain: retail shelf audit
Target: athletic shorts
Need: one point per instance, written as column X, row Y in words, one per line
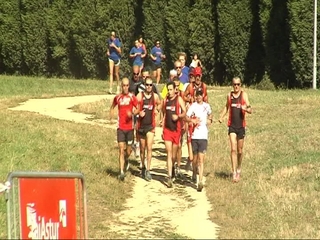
column 199, row 146
column 116, row 62
column 240, row 132
column 155, row 66
column 125, row 136
column 172, row 136
column 142, row 132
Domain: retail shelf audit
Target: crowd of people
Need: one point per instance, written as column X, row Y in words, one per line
column 181, row 109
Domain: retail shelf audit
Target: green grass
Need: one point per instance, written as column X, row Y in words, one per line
column 278, row 196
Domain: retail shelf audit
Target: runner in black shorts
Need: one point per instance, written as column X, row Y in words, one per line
column 238, row 105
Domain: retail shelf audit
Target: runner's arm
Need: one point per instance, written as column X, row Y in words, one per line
column 183, row 108
column 185, row 94
column 247, row 107
column 225, row 110
column 113, row 105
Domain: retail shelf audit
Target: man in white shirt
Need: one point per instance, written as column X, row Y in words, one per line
column 200, row 114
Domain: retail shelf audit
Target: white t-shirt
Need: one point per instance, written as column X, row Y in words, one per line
column 200, row 111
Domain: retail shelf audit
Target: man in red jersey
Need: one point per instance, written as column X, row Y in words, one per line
column 238, row 105
column 149, row 103
column 127, row 107
column 174, row 110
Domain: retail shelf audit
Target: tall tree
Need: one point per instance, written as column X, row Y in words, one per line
column 34, row 35
column 202, row 36
column 301, row 40
column 59, row 18
column 11, row 40
column 235, row 20
column 177, row 29
column 154, row 26
column 123, row 21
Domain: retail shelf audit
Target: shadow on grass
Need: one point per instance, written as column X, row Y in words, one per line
column 223, row 175
column 111, row 172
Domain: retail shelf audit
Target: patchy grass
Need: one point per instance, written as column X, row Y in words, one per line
column 276, row 198
column 277, row 195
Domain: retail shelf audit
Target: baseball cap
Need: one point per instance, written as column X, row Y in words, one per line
column 197, row 71
column 199, row 92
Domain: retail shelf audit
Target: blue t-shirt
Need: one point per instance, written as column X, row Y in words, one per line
column 114, row 54
column 185, row 70
column 137, row 60
column 156, row 52
column 184, row 78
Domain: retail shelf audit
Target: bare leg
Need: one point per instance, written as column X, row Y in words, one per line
column 111, row 66
column 240, row 154
column 233, row 153
column 158, row 75
column 142, row 151
column 200, row 164
column 150, row 136
column 168, row 145
column 116, row 68
column 121, row 146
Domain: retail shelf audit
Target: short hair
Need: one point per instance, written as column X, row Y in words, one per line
column 236, row 78
column 182, row 54
column 171, row 83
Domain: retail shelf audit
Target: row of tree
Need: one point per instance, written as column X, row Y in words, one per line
column 253, row 39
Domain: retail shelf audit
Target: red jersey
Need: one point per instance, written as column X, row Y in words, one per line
column 125, row 104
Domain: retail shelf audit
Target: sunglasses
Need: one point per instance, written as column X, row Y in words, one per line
column 236, row 84
column 136, row 74
column 149, row 84
column 178, row 67
column 125, row 85
column 145, row 76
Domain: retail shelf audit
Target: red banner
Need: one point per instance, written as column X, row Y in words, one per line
column 48, row 208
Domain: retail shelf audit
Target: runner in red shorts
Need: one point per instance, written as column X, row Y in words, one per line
column 174, row 110
column 127, row 107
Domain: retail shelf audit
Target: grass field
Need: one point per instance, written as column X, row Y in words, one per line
column 276, row 198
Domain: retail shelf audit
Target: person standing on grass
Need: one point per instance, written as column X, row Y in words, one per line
column 127, row 107
column 173, row 111
column 143, row 46
column 157, row 56
column 114, row 56
column 149, row 103
column 238, row 105
column 200, row 115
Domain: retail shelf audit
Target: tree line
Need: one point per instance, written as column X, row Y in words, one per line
column 253, row 39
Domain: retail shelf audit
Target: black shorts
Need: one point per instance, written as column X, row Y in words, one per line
column 155, row 66
column 125, row 136
column 142, row 132
column 240, row 132
column 199, row 146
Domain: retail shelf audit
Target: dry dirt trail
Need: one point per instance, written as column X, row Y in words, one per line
column 153, row 206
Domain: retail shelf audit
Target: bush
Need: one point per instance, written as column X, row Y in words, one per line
column 265, row 84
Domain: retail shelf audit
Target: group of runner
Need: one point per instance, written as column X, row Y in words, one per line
column 183, row 112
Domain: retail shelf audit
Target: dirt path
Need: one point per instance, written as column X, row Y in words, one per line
column 152, row 207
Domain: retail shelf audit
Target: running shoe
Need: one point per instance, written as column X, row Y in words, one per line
column 200, row 187
column 148, row 176
column 169, row 182
column 126, row 164
column 121, row 176
column 143, row 172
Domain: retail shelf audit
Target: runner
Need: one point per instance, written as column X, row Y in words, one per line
column 195, row 61
column 173, row 112
column 127, row 106
column 189, row 93
column 238, row 105
column 164, row 92
column 182, row 76
column 200, row 115
column 143, row 45
column 135, row 79
column 141, row 88
column 148, row 102
column 157, row 56
column 137, row 53
column 182, row 56
column 114, row 56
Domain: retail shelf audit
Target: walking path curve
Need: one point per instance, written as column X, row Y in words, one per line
column 152, row 205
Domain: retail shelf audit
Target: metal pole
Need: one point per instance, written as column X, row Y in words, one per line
column 314, row 80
